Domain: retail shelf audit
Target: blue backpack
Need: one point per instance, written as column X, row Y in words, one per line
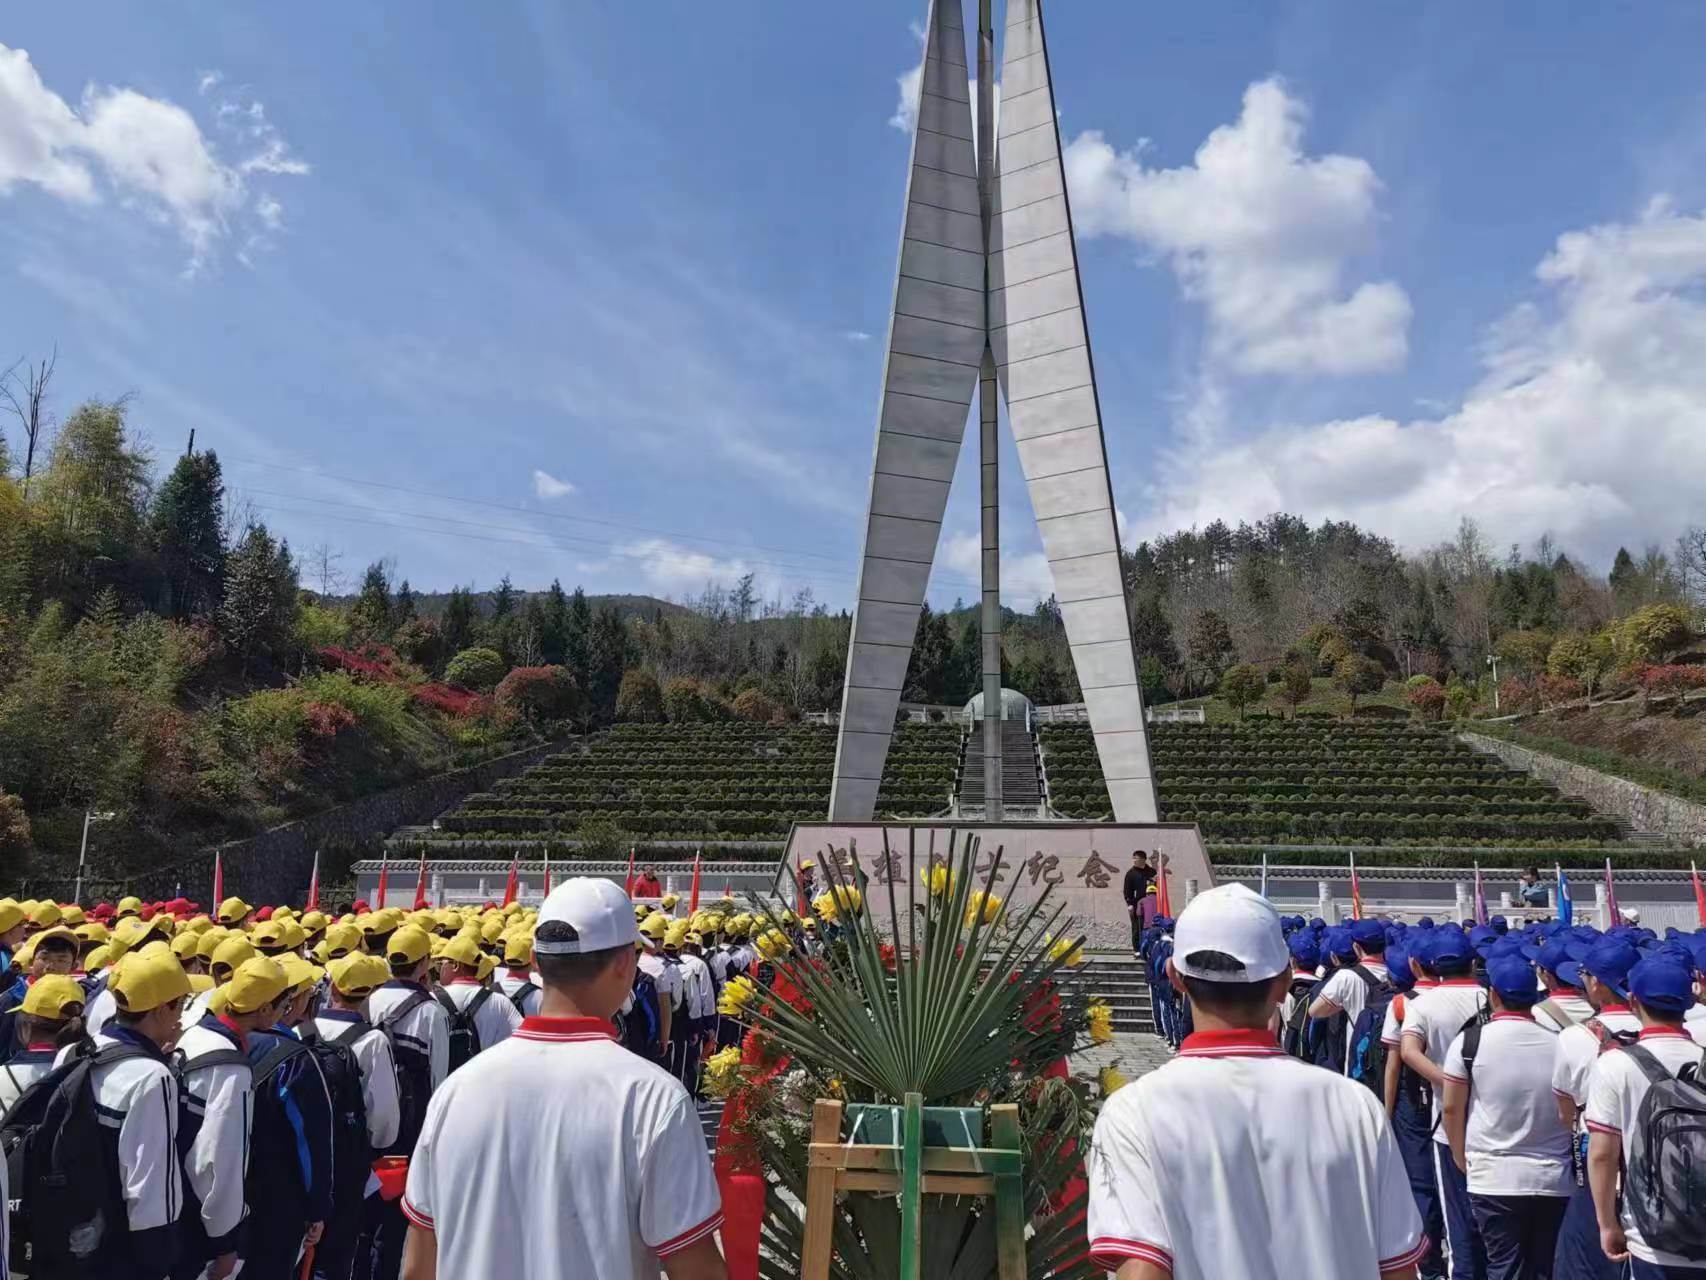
column 1368, row 1051
column 642, row 1023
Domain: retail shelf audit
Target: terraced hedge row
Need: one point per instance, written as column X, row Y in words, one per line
column 702, row 782
column 1291, row 782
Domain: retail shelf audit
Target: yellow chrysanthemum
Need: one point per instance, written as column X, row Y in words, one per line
column 824, row 906
column 772, row 943
column 737, row 994
column 1101, row 1022
column 986, row 906
column 722, row 1072
column 1069, row 952
column 1112, row 1081
column 936, row 879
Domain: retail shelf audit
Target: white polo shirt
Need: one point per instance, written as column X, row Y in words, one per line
column 1514, row 1141
column 1614, row 1101
column 1392, row 1028
column 665, row 976
column 1349, row 992
column 1435, row 1016
column 1574, row 1007
column 518, row 987
column 559, row 1155
column 1203, row 1167
column 1579, row 1048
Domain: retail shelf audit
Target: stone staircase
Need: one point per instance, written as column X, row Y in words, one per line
column 1021, row 785
column 1118, row 980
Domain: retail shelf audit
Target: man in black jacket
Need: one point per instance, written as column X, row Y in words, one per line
column 1137, row 881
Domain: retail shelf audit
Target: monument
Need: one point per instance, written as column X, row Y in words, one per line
column 987, row 296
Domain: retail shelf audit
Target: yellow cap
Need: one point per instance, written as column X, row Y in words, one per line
column 463, row 950
column 409, row 944
column 294, row 934
column 148, row 979
column 72, row 915
column 54, row 996
column 258, row 981
column 199, row 924
column 445, row 918
column 320, row 954
column 97, row 959
column 127, row 907
column 487, row 966
column 641, row 911
column 46, row 915
column 299, row 973
column 217, row 1003
column 268, row 935
column 492, row 929
column 518, row 950
column 232, row 911
column 207, row 942
column 233, row 952
column 11, row 915
column 92, row 931
column 422, row 919
column 342, row 939
column 695, row 938
column 127, row 933
column 356, row 975
column 284, row 913
column 200, row 982
column 669, row 900
column 186, row 945
column 654, row 927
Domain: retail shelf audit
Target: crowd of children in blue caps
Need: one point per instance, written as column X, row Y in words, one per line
column 1526, row 965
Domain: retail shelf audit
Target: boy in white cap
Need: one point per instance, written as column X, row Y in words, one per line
column 558, row 1155
column 1201, row 1169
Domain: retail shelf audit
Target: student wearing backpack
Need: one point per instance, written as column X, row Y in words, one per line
column 1562, row 1004
column 1432, row 1021
column 419, row 1032
column 479, row 1015
column 290, row 1151
column 1351, row 990
column 109, row 1136
column 1504, row 1129
column 1407, row 1104
column 361, row 1081
column 1235, row 1160
column 517, row 983
column 214, row 1079
column 1646, row 1117
column 49, row 1020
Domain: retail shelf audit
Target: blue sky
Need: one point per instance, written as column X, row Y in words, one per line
column 588, row 291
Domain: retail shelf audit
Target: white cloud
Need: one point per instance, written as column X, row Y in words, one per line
column 548, row 487
column 1589, row 420
column 1261, row 234
column 856, row 335
column 675, row 570
column 152, row 154
column 1025, row 578
column 906, row 103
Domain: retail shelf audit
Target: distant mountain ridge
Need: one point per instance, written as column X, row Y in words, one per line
column 431, row 604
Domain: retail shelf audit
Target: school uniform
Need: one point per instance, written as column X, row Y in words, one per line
column 298, row 1188
column 424, row 1029
column 22, row 1070
column 667, row 979
column 372, row 1053
column 1203, row 1168
column 1412, row 1125
column 101, row 1008
column 1516, row 1147
column 700, row 1009
column 218, row 1110
column 1348, row 992
column 495, row 1020
column 1578, row 1255
column 490, row 1181
column 423, row 1063
column 1576, row 1010
column 1615, row 1092
column 1434, row 1017
column 518, row 987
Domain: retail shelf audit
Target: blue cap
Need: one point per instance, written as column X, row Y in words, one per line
column 1398, row 966
column 1368, row 932
column 1662, row 983
column 1338, row 943
column 1482, row 935
column 1305, row 950
column 1448, row 945
column 1610, row 960
column 1426, row 922
column 1550, row 956
column 1317, row 924
column 1499, row 924
column 1513, row 978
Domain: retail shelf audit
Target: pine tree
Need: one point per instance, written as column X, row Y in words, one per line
column 577, row 642
column 403, row 608
column 503, row 600
column 461, row 615
column 259, row 609
column 555, row 637
column 372, row 616
column 188, row 529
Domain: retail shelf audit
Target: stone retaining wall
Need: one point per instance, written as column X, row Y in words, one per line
column 1645, row 809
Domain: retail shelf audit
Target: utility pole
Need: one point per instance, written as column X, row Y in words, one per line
column 1493, row 662
column 89, row 817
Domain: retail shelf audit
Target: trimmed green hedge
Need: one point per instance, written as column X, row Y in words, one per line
column 1655, row 776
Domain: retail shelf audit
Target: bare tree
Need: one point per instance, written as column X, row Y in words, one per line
column 25, row 396
column 320, row 566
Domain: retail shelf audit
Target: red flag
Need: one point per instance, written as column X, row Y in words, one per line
column 1699, row 893
column 514, row 871
column 421, row 884
column 1163, row 899
column 1611, row 898
column 628, row 886
column 693, row 901
column 547, row 871
column 1356, row 889
column 314, row 885
column 218, row 880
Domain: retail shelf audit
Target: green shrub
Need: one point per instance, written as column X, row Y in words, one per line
column 478, row 669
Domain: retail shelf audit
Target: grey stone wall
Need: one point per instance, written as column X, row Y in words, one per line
column 1645, row 809
column 275, row 866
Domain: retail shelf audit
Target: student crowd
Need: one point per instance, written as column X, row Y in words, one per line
column 183, row 1093
column 1473, row 1101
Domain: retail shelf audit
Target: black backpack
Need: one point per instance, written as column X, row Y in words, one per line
column 639, row 1027
column 520, row 996
column 1664, row 1182
column 352, row 1153
column 1303, row 993
column 414, row 1074
column 68, row 1212
column 464, row 1030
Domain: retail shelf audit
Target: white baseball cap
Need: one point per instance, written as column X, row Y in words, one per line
column 598, row 912
column 1236, row 922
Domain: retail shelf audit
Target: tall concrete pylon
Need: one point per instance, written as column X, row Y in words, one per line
column 988, row 282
